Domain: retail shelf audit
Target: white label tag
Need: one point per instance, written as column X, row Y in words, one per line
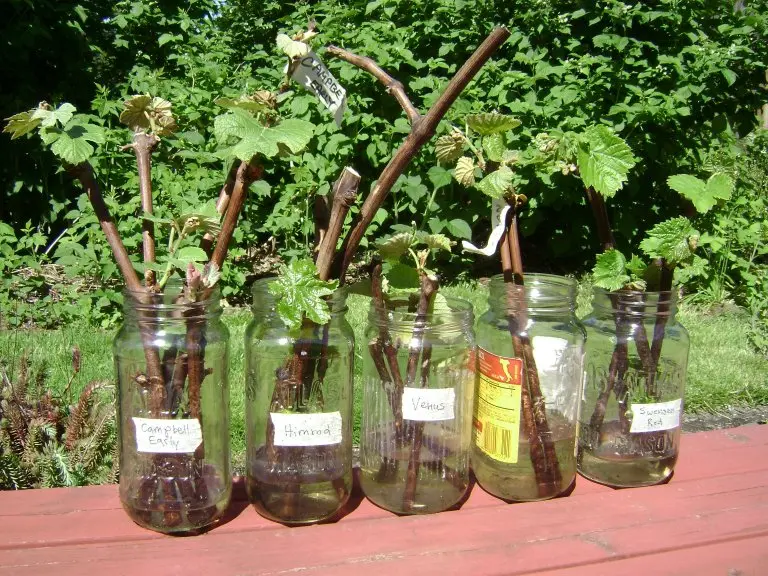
column 499, row 209
column 319, row 429
column 428, row 404
column 315, row 77
column 547, row 351
column 655, row 417
column 160, row 436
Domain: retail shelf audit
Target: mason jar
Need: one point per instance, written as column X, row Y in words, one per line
column 418, row 374
column 636, row 360
column 529, row 378
column 173, row 410
column 298, row 412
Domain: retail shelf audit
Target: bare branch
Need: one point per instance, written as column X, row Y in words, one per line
column 246, row 173
column 143, row 145
column 394, row 87
column 221, row 204
column 421, row 132
column 344, row 196
column 84, row 173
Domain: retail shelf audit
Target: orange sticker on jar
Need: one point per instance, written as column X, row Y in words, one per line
column 496, row 421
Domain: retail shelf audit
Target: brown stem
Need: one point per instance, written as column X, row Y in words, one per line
column 542, row 448
column 221, row 204
column 321, row 212
column 344, row 196
column 421, row 350
column 603, row 223
column 247, row 172
column 420, row 133
column 662, row 315
column 394, row 87
column 143, row 145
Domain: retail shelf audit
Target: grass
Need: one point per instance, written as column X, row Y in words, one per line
column 723, row 370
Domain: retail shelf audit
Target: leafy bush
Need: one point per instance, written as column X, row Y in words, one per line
column 677, row 80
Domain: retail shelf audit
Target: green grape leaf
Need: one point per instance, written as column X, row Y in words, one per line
column 673, row 240
column 703, row 195
column 494, row 147
column 496, row 184
column 253, row 138
column 151, row 114
column 465, row 171
column 440, row 304
column 395, row 246
column 698, row 267
column 21, row 123
column 604, row 160
column 191, row 254
column 636, row 267
column 437, row 242
column 50, row 118
column 400, row 276
column 609, row 271
column 292, row 48
column 449, row 147
column 300, row 292
column 259, row 101
column 491, row 123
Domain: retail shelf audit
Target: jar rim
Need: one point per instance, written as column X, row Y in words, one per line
column 544, row 292
column 167, row 300
column 635, row 302
column 460, row 313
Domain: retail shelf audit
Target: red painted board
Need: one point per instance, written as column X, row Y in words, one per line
column 553, row 534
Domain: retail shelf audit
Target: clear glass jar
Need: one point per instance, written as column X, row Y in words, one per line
column 171, row 361
column 298, row 412
column 530, row 354
column 416, row 426
column 636, row 360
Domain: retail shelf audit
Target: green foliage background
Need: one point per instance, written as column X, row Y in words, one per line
column 679, row 80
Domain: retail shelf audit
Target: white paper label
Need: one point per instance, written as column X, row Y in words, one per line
column 428, row 404
column 315, row 77
column 319, row 429
column 160, row 436
column 655, row 417
column 547, row 351
column 499, row 209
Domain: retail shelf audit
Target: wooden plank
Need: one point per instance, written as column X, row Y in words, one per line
column 545, row 535
column 81, row 515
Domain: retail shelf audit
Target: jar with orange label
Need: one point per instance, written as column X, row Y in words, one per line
column 528, row 387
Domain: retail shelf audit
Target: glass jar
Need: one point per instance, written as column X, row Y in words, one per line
column 173, row 410
column 418, row 374
column 636, row 359
column 298, row 412
column 529, row 377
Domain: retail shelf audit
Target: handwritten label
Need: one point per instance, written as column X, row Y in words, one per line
column 315, row 77
column 428, row 404
column 319, row 429
column 547, row 351
column 657, row 416
column 160, row 436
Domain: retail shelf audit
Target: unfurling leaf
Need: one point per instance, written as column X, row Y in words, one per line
column 190, row 254
column 497, row 184
column 299, row 292
column 449, row 147
column 494, row 147
column 292, row 48
column 703, row 195
column 206, row 218
column 673, row 240
column 400, row 276
column 260, row 101
column 465, row 171
column 395, row 246
column 438, row 242
column 604, row 160
column 610, row 271
column 143, row 112
column 210, row 275
column 252, row 138
column 491, row 123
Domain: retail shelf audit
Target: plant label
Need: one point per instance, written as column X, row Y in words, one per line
column 499, row 209
column 319, row 429
column 163, row 436
column 315, row 77
column 657, row 416
column 496, row 421
column 428, row 404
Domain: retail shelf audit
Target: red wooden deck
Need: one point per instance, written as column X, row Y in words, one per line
column 712, row 518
